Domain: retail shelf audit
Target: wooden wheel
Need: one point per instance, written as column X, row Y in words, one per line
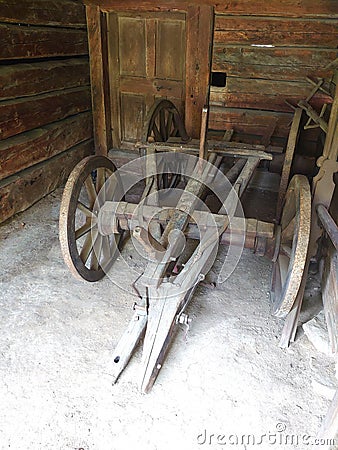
column 289, row 264
column 165, row 122
column 87, row 253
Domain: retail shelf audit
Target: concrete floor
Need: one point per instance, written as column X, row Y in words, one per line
column 227, row 376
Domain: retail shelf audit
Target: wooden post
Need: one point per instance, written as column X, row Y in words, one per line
column 198, row 63
column 97, row 41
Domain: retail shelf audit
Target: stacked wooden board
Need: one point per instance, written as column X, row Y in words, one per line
column 45, row 103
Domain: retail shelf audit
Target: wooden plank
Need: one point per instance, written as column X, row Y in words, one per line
column 249, row 121
column 114, row 78
column 17, row 116
column 19, row 42
column 44, row 12
column 19, row 152
column 98, row 52
column 263, row 94
column 199, row 27
column 20, row 191
column 132, row 117
column 287, row 8
column 287, row 63
column 132, row 51
column 21, row 80
column 144, row 86
column 282, row 32
column 170, row 49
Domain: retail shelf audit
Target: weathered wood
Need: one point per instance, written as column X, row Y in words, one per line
column 98, row 52
column 164, row 88
column 44, row 12
column 22, row 80
column 19, row 42
column 17, row 116
column 289, row 153
column 248, row 121
column 279, row 31
column 198, row 61
column 20, row 152
column 263, row 94
column 330, row 295
column 20, row 191
column 287, row 8
column 287, row 63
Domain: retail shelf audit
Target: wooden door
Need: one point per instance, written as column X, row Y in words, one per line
column 147, row 53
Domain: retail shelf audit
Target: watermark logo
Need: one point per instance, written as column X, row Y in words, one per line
column 279, row 438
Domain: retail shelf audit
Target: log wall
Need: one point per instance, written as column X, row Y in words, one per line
column 45, row 103
column 267, row 49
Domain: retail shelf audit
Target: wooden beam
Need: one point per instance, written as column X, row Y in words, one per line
column 20, row 152
column 17, row 116
column 281, row 32
column 249, row 121
column 20, row 191
column 284, row 63
column 263, row 94
column 287, row 8
column 98, row 52
column 22, row 80
column 19, row 42
column 199, row 29
column 44, row 12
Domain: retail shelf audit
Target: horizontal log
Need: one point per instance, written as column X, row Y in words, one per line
column 249, row 121
column 20, row 152
column 21, row 80
column 264, row 94
column 17, row 116
column 19, row 42
column 20, row 191
column 286, row 8
column 279, row 31
column 287, row 63
column 65, row 13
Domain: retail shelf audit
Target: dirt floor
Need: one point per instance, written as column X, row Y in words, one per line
column 225, row 382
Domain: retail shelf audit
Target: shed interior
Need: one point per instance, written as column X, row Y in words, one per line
column 81, row 78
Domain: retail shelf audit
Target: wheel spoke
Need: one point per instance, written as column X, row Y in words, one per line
column 84, row 229
column 106, row 251
column 100, row 179
column 169, row 124
column 90, row 190
column 157, row 134
column 86, row 211
column 289, row 230
column 96, row 253
column 283, row 263
column 287, row 250
column 88, row 245
column 163, row 128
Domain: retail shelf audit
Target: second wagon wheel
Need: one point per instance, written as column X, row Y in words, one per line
column 87, row 253
column 162, row 123
column 288, row 268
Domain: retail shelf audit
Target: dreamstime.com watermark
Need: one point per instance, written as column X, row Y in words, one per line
column 278, row 438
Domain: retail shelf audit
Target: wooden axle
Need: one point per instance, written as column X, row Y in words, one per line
column 117, row 216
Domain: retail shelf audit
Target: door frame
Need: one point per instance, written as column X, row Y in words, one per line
column 199, row 37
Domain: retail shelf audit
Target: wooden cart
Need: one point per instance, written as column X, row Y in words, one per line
column 94, row 217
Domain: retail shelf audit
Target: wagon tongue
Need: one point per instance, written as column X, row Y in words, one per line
column 162, row 315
